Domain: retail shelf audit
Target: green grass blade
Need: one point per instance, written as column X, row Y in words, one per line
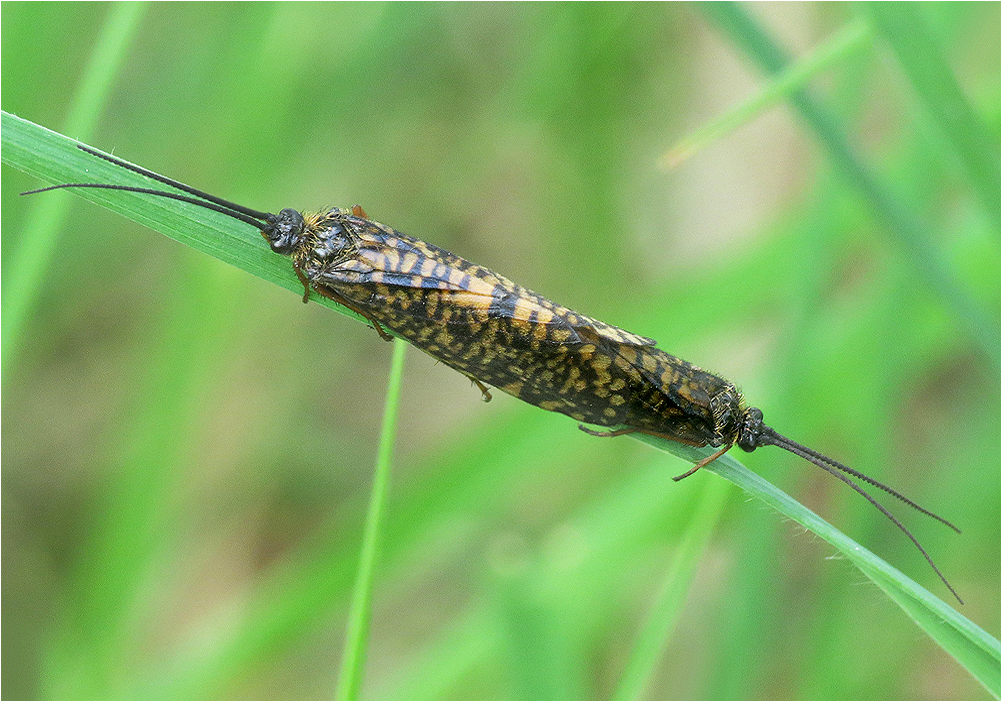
column 904, row 28
column 651, row 644
column 357, row 636
column 54, row 158
column 794, row 77
column 913, row 236
column 26, row 276
column 976, row 650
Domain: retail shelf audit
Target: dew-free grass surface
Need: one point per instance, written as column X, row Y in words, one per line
column 189, row 449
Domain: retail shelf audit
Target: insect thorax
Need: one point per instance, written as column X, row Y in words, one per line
column 327, row 238
column 727, row 407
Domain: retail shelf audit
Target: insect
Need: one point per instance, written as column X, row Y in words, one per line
column 499, row 333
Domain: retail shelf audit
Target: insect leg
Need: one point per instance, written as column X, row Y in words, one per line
column 331, row 295
column 709, row 459
column 618, row 432
column 483, row 388
column 304, row 281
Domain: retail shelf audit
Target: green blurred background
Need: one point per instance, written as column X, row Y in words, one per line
column 188, row 450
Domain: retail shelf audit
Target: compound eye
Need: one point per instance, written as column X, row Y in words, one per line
column 751, row 429
column 281, row 245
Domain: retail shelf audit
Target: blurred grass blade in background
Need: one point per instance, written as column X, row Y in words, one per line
column 652, row 641
column 792, row 79
column 26, row 275
column 903, row 26
column 911, row 232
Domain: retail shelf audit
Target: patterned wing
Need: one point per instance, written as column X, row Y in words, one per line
column 418, row 285
column 486, row 326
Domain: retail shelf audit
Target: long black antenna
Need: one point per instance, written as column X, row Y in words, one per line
column 202, row 199
column 770, row 437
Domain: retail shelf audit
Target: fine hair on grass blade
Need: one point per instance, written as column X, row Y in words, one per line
column 974, row 648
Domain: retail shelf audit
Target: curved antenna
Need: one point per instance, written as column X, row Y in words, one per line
column 774, row 438
column 162, row 193
column 770, row 437
column 201, row 198
column 176, row 184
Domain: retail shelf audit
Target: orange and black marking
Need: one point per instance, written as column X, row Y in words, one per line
column 501, row 334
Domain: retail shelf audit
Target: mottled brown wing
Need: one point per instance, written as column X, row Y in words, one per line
column 486, row 326
column 422, row 281
column 671, row 397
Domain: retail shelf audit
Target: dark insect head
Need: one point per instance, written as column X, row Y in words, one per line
column 283, row 232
